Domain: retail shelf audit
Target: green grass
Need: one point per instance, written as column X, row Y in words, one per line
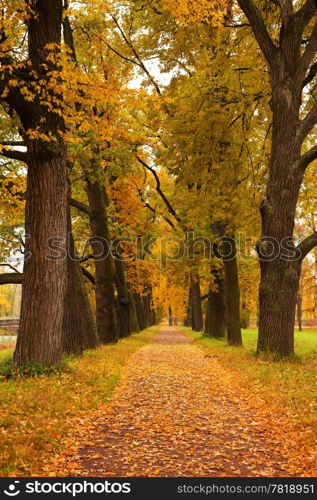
column 37, row 414
column 289, row 384
column 305, row 342
column 6, row 354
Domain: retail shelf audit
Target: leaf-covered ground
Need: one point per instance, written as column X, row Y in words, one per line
column 40, row 417
column 178, row 412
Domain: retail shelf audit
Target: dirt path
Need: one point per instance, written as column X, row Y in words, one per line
column 176, row 412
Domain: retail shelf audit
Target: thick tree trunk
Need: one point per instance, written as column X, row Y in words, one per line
column 197, row 312
column 215, row 324
column 45, row 271
column 292, row 73
column 280, row 270
column 44, row 286
column 104, row 273
column 232, row 291
column 79, row 325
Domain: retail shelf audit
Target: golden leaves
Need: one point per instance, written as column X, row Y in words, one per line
column 40, row 418
column 177, row 412
column 193, row 11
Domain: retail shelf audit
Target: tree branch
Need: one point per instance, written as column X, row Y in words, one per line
column 307, row 158
column 154, row 211
column 309, row 54
column 14, row 155
column 88, row 275
column 307, row 123
column 159, row 189
column 11, row 278
column 260, row 31
column 17, row 277
column 311, row 75
column 204, row 297
column 80, row 206
column 307, row 245
column 14, row 143
column 306, row 13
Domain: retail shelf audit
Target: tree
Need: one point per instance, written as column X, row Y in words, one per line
column 42, row 125
column 290, row 57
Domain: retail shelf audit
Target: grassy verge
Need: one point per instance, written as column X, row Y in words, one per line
column 288, row 385
column 6, row 351
column 35, row 413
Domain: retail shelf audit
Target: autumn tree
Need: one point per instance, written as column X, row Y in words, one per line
column 289, row 50
column 42, row 126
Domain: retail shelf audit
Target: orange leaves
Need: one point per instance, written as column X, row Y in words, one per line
column 42, row 417
column 178, row 412
column 193, row 11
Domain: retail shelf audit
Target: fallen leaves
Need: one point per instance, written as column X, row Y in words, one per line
column 178, row 412
column 41, row 417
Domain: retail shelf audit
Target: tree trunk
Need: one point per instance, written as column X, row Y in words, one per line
column 139, row 310
column 45, row 271
column 292, row 71
column 79, row 326
column 189, row 311
column 124, row 304
column 215, row 325
column 134, row 324
column 280, row 272
column 151, row 306
column 146, row 309
column 196, row 304
column 300, row 311
column 232, row 291
column 244, row 316
column 104, row 275
column 170, row 316
column 44, row 286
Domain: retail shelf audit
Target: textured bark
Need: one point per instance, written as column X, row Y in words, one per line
column 232, row 291
column 104, row 273
column 123, row 300
column 197, row 313
column 44, row 285
column 44, row 279
column 215, row 324
column 79, row 325
column 291, row 70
